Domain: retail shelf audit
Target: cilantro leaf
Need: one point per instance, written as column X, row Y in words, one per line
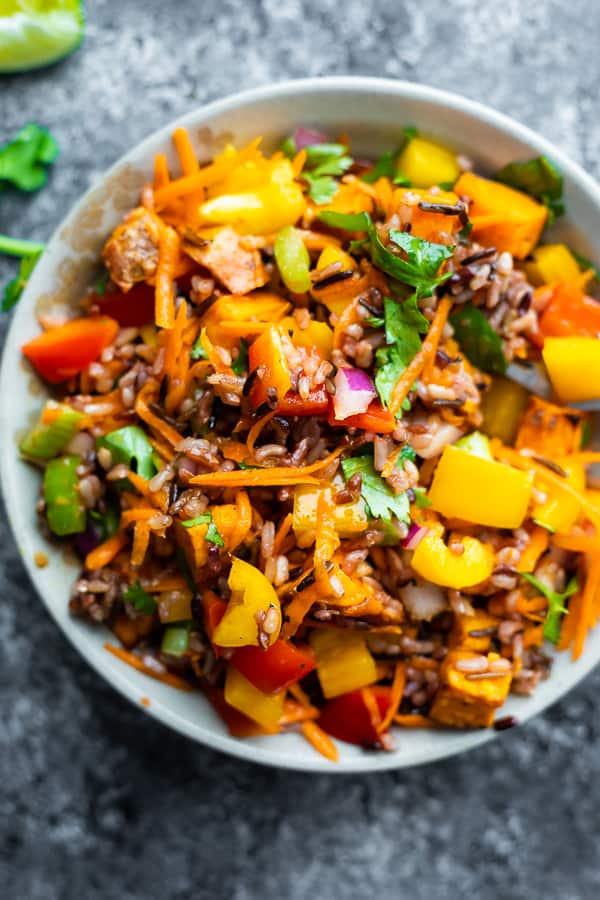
column 212, row 534
column 317, row 154
column 476, row 337
column 375, row 321
column 385, row 167
column 323, row 162
column 198, row 351
column 108, row 520
column 15, row 287
column 423, row 258
column 23, row 160
column 240, row 363
column 422, row 501
column 130, row 446
column 139, row 599
column 556, row 607
column 540, row 179
column 383, row 503
column 404, row 322
column 321, row 190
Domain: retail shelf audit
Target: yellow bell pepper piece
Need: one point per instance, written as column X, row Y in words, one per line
column 425, row 163
column 343, row 661
column 350, row 518
column 266, row 709
column 272, row 200
column 330, row 255
column 434, row 561
column 552, row 262
column 318, row 334
column 560, row 511
column 479, row 490
column 502, row 217
column 502, row 406
column 573, row 364
column 251, row 595
column 260, row 306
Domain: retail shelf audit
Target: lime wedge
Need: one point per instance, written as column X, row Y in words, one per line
column 34, row 33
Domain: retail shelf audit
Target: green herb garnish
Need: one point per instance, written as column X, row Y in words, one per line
column 382, row 502
column 323, row 163
column 556, row 607
column 130, row 446
column 24, row 160
column 198, row 351
column 212, row 534
column 404, row 323
column 139, row 599
column 540, row 179
column 480, row 343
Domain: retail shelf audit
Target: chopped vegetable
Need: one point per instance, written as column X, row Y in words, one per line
column 570, row 313
column 252, row 598
column 276, row 668
column 558, row 513
column 404, row 323
column 292, row 260
column 343, row 661
column 540, row 179
column 139, row 599
column 57, row 425
column 463, row 701
column 39, row 32
column 573, row 365
column 434, row 561
column 131, row 447
column 381, row 500
column 477, row 444
column 323, row 162
column 425, row 163
column 551, row 263
column 556, row 604
column 350, row 518
column 134, row 308
column 502, row 217
column 24, row 160
column 491, row 493
column 65, row 510
column 347, row 717
column 15, row 287
column 176, row 640
column 68, row 349
column 480, row 343
column 354, row 391
column 266, row 709
column 267, row 353
column 503, row 405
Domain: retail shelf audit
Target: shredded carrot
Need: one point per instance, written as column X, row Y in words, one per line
column 397, row 691
column 174, row 342
column 321, row 741
column 514, row 458
column 244, row 518
column 538, row 544
column 347, row 318
column 256, row 429
column 106, row 552
column 168, row 256
column 137, row 663
column 138, row 514
column 294, row 712
column 533, row 637
column 154, row 421
column 268, row 477
column 390, row 463
column 298, row 162
column 141, row 540
column 433, row 338
column 161, row 171
column 569, row 622
column 414, row 721
column 426, row 353
column 165, row 583
column 282, row 532
column 185, row 151
column 163, row 451
column 234, row 450
column 296, row 691
column 372, row 707
column 205, row 177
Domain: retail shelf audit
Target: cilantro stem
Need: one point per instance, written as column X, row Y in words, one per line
column 16, row 247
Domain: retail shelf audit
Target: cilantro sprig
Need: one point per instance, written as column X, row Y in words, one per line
column 382, row 502
column 139, row 599
column 24, row 159
column 324, row 163
column 556, row 604
column 404, row 323
column 212, row 534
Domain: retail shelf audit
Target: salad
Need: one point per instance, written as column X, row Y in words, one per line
column 282, row 440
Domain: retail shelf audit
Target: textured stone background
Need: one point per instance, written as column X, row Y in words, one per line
column 98, row 801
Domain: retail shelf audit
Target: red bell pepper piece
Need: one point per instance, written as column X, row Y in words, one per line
column 135, row 308
column 214, row 610
column 316, row 404
column 68, row 349
column 376, row 419
column 346, row 717
column 569, row 313
column 276, row 668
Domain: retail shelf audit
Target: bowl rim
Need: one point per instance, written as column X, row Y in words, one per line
column 361, row 85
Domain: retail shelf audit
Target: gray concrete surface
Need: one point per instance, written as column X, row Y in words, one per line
column 97, row 801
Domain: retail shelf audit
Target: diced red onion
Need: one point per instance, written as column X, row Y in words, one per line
column 306, row 137
column 415, row 535
column 354, row 390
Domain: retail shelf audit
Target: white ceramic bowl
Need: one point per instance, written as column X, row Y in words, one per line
column 372, row 112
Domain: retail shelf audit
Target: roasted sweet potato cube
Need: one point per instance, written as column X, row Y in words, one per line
column 461, row 636
column 193, row 543
column 550, row 430
column 464, row 701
